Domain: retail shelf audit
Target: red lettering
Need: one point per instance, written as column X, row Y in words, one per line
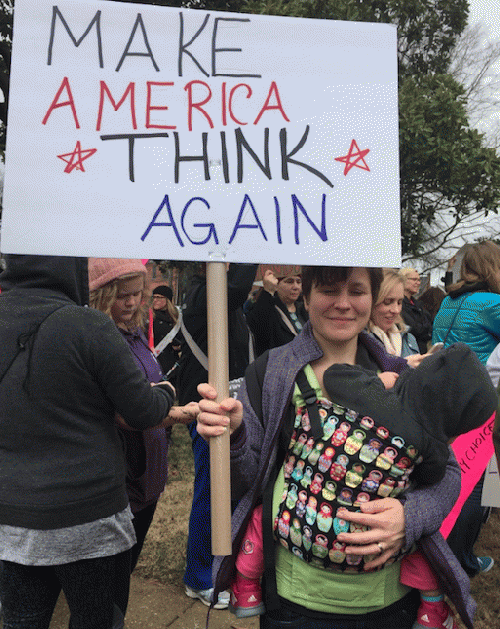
column 273, row 89
column 105, row 90
column 231, row 94
column 198, row 105
column 223, row 104
column 150, row 107
column 55, row 104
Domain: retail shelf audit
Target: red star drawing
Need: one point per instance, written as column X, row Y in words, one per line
column 76, row 158
column 354, row 157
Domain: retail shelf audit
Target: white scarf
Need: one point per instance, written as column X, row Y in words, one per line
column 392, row 339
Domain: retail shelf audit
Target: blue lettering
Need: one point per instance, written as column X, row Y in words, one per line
column 211, row 232
column 240, row 225
column 165, row 203
column 297, row 205
column 278, row 220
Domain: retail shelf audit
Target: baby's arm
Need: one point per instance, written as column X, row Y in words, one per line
column 388, row 378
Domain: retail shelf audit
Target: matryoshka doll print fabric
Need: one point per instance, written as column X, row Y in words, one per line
column 355, row 461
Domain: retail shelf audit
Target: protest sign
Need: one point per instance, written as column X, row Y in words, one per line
column 154, row 132
column 472, row 451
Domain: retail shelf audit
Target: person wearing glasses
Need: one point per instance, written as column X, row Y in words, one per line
column 414, row 314
column 166, row 318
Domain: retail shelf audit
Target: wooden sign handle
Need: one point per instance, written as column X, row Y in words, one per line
column 218, row 377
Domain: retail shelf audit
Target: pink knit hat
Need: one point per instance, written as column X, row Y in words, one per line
column 105, row 270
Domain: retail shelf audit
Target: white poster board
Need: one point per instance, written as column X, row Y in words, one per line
column 152, row 132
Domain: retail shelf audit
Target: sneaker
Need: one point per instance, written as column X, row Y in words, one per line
column 485, row 563
column 434, row 616
column 206, row 596
column 246, row 599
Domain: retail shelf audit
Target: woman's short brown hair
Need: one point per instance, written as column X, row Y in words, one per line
column 328, row 275
column 481, row 263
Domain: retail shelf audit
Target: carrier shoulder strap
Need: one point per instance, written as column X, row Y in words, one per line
column 310, row 398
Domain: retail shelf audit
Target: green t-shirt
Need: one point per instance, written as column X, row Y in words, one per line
column 323, row 590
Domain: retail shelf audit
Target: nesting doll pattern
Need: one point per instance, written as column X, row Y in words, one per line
column 355, row 461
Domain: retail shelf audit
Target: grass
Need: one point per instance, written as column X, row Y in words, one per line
column 164, row 553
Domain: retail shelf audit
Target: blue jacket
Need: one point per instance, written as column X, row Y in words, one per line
column 472, row 318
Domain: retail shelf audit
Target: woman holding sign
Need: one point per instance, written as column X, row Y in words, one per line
column 266, row 450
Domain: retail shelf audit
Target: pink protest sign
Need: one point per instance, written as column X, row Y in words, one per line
column 473, row 452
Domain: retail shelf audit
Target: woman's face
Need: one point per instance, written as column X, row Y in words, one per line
column 340, row 311
column 385, row 313
column 128, row 300
column 289, row 289
column 412, row 283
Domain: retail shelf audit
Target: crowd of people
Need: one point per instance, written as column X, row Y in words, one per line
column 347, row 388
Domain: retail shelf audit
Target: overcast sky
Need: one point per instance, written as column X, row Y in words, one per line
column 487, row 12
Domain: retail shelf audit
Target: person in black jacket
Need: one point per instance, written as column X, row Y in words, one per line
column 277, row 315
column 414, row 314
column 166, row 317
column 65, row 372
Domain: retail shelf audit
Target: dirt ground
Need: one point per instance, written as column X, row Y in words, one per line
column 156, row 606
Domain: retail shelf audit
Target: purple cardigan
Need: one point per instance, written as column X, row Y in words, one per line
column 148, row 448
column 253, row 454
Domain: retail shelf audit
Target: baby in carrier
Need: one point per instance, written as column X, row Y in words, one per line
column 380, row 434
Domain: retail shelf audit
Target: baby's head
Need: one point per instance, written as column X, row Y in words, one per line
column 452, row 388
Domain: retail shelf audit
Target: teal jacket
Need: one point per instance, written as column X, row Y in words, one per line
column 469, row 317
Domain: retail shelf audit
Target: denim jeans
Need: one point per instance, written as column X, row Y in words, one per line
column 93, row 589
column 401, row 615
column 198, row 574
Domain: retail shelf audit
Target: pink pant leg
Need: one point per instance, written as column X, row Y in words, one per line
column 417, row 573
column 250, row 560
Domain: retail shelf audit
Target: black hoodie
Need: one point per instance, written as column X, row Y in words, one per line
column 64, row 372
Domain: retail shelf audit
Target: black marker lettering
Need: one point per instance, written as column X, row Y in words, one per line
column 95, row 20
column 215, row 50
column 149, row 53
column 191, row 158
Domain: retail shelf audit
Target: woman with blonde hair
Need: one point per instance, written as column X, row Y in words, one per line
column 165, row 319
column 116, row 288
column 386, row 323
